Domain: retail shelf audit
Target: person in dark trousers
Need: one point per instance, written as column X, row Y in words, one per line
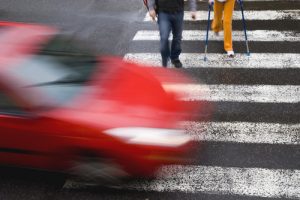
column 170, row 15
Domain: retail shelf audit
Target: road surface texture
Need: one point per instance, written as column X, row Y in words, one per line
column 252, row 143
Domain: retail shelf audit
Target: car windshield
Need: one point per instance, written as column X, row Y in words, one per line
column 59, row 75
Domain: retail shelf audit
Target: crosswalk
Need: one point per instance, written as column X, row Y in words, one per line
column 256, row 35
column 251, row 15
column 225, row 181
column 217, row 60
column 237, row 93
column 253, row 140
column 244, row 132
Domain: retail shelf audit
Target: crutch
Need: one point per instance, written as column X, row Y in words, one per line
column 245, row 28
column 207, row 30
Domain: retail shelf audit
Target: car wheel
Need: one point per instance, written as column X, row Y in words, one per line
column 93, row 169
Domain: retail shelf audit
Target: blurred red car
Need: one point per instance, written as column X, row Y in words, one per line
column 78, row 113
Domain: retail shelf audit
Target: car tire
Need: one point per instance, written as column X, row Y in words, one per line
column 95, row 169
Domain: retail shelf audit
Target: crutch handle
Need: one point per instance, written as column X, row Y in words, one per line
column 211, row 2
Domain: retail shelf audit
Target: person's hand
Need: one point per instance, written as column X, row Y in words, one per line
column 152, row 14
column 193, row 15
column 211, row 2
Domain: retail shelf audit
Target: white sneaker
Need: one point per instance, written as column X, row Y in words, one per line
column 230, row 54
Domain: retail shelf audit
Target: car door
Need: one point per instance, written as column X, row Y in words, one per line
column 10, row 117
column 22, row 138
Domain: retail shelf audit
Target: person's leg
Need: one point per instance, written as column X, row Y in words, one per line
column 177, row 27
column 164, row 24
column 227, row 24
column 218, row 14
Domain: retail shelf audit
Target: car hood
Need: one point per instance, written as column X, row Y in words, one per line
column 126, row 94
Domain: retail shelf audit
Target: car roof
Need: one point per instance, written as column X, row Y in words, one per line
column 19, row 39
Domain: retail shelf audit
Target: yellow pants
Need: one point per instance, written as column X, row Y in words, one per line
column 226, row 8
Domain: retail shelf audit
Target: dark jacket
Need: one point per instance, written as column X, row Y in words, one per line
column 170, row 5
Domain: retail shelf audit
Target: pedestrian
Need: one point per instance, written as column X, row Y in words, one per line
column 224, row 7
column 170, row 15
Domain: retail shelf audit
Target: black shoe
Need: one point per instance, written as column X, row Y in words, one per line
column 177, row 63
column 165, row 63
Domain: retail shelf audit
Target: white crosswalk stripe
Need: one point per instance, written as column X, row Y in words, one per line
column 251, row 0
column 237, row 93
column 275, row 183
column 256, row 35
column 195, row 60
column 249, row 15
column 244, row 132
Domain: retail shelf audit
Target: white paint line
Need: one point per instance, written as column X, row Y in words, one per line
column 257, row 35
column 221, row 180
column 252, row 0
column 195, row 60
column 258, row 182
column 237, row 93
column 244, row 132
column 249, row 15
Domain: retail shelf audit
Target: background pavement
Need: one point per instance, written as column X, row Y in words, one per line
column 108, row 25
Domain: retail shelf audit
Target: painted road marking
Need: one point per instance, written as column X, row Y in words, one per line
column 195, row 60
column 221, row 180
column 249, row 15
column 255, row 0
column 237, row 93
column 250, row 0
column 244, row 132
column 259, row 182
column 257, row 35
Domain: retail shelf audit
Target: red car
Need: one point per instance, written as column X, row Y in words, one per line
column 95, row 117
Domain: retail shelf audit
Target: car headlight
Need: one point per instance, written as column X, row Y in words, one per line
column 150, row 136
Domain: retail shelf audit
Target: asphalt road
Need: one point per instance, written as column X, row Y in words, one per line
column 107, row 25
column 263, row 166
